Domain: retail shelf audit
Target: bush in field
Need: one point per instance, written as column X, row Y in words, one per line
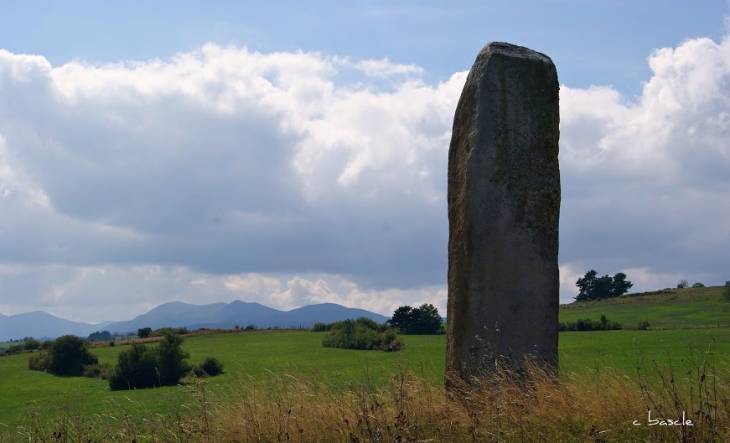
column 320, row 327
column 395, row 345
column 13, row 349
column 31, row 344
column 171, row 358
column 698, row 285
column 136, row 368
column 209, row 368
column 143, row 367
column 39, row 361
column 69, row 355
column 101, row 371
column 643, row 325
column 144, row 332
column 726, row 291
column 586, row 324
column 363, row 334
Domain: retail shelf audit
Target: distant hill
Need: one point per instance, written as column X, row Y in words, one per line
column 228, row 315
column 178, row 314
column 667, row 309
column 41, row 324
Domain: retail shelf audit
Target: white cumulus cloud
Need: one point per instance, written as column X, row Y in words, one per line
column 292, row 178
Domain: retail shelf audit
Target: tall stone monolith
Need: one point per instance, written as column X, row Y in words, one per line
column 504, row 206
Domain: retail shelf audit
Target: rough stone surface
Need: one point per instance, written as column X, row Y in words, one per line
column 504, row 206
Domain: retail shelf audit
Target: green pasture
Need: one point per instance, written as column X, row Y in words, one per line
column 272, row 356
column 675, row 308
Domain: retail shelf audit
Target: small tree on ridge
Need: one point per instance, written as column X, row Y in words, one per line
column 593, row 287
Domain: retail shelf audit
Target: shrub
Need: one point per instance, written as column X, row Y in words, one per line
column 726, row 291
column 69, row 355
column 46, row 344
column 209, row 368
column 320, row 327
column 142, row 367
column 31, row 344
column 13, row 349
column 369, row 324
column 171, row 358
column 363, row 334
column 144, row 332
column 39, row 361
column 136, row 368
column 395, row 346
column 250, row 327
column 586, row 324
column 682, row 284
column 101, row 371
column 643, row 325
column 698, row 285
column 112, row 343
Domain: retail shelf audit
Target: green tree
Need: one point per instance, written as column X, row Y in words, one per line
column 587, row 286
column 726, row 291
column 604, row 287
column 422, row 320
column 591, row 287
column 698, row 285
column 69, row 355
column 402, row 318
column 171, row 359
column 682, row 284
column 143, row 367
column 144, row 332
column 136, row 369
column 426, row 320
column 620, row 284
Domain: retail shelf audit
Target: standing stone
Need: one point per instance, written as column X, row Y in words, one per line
column 504, row 206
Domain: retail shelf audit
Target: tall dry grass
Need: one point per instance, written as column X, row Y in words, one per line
column 534, row 406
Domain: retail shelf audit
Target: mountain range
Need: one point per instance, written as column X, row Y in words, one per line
column 40, row 324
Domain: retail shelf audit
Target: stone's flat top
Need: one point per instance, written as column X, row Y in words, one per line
column 510, row 50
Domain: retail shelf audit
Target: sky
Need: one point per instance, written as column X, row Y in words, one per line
column 295, row 152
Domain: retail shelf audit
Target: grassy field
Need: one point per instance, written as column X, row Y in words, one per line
column 671, row 309
column 256, row 355
column 265, row 355
column 606, row 375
